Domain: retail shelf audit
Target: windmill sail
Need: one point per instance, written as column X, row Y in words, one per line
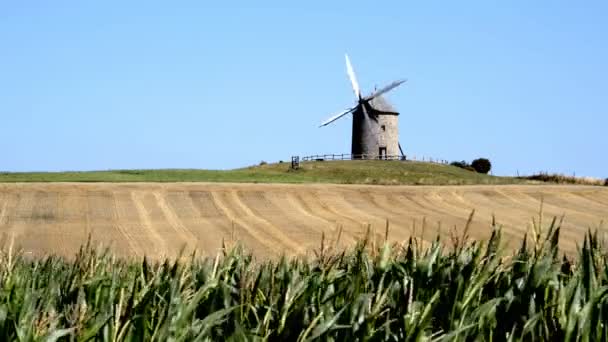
column 386, row 89
column 337, row 116
column 353, row 78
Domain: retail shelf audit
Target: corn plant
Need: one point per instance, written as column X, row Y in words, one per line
column 459, row 291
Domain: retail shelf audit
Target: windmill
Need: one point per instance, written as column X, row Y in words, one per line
column 375, row 127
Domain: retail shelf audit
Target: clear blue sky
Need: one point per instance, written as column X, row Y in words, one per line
column 99, row 85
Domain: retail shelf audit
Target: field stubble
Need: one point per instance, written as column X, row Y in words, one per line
column 163, row 220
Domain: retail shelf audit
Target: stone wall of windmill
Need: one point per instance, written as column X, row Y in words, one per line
column 388, row 134
column 375, row 135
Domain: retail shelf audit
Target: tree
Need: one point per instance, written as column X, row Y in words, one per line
column 481, row 165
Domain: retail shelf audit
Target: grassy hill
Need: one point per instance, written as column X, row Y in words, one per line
column 337, row 172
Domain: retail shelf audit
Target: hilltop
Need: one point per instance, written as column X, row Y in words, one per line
column 336, row 172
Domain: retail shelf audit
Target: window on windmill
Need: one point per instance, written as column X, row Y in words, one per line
column 383, row 127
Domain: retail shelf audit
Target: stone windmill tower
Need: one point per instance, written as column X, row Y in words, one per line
column 375, row 126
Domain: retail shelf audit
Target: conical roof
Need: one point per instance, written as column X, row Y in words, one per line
column 380, row 104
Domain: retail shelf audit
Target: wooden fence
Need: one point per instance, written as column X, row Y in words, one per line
column 322, row 157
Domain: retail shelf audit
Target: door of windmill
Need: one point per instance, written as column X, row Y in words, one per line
column 382, row 153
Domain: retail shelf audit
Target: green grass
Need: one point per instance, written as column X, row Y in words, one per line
column 462, row 291
column 338, row 172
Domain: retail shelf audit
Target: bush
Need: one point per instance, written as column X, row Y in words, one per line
column 461, row 164
column 606, row 182
column 481, row 165
column 262, row 163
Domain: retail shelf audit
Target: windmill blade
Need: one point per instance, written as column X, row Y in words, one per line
column 353, row 78
column 337, row 116
column 386, row 89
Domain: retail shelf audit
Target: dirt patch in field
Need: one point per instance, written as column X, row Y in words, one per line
column 269, row 219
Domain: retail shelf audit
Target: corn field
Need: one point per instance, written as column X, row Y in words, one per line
column 453, row 290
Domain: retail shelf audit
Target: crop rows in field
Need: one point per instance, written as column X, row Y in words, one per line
column 160, row 219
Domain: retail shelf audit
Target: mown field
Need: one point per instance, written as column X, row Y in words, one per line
column 462, row 290
column 336, row 172
column 159, row 219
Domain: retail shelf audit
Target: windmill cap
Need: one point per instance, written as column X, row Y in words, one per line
column 380, row 104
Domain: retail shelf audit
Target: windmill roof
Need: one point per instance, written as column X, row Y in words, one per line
column 379, row 103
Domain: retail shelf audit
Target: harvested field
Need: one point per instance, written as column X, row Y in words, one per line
column 159, row 219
